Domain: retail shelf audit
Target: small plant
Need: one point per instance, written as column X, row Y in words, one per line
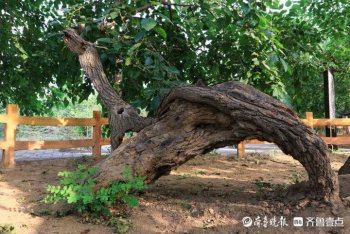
column 297, row 177
column 184, row 204
column 262, row 185
column 76, row 188
column 119, row 224
column 6, row 229
column 40, row 213
column 193, row 173
column 62, row 213
column 196, row 173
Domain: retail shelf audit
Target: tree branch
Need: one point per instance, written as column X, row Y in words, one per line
column 122, row 116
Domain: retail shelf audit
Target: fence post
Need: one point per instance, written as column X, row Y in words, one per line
column 310, row 119
column 240, row 149
column 8, row 154
column 96, row 134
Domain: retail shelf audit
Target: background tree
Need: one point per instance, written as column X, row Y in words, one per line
column 315, row 39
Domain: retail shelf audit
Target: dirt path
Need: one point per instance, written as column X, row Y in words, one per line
column 210, row 194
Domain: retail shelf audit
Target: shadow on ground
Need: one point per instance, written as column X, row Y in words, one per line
column 209, row 194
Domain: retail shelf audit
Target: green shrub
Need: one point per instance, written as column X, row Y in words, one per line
column 76, row 188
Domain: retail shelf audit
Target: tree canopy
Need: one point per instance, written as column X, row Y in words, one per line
column 280, row 47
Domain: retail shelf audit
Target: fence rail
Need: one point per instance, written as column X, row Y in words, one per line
column 312, row 123
column 12, row 119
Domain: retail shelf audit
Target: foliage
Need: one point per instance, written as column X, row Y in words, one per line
column 148, row 46
column 316, row 41
column 36, row 71
column 76, row 188
column 83, row 109
column 147, row 51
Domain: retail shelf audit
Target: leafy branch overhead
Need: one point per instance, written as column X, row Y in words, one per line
column 149, row 46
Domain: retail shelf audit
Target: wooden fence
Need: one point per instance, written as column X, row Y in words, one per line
column 12, row 118
column 312, row 123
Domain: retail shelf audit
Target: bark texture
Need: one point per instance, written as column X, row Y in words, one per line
column 122, row 116
column 194, row 120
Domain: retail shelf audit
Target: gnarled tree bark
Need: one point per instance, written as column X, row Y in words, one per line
column 194, row 120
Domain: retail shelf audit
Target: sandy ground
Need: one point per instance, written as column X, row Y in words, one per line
column 210, row 194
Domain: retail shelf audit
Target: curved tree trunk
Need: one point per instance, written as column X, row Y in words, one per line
column 194, row 120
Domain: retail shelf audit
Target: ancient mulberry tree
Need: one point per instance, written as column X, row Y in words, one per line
column 192, row 120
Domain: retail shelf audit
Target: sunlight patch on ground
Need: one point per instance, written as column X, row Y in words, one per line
column 13, row 212
column 285, row 158
column 336, row 165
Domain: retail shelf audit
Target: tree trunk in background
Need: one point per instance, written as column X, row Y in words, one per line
column 329, row 103
column 194, row 120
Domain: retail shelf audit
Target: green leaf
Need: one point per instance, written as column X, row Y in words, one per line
column 160, row 31
column 148, row 24
column 166, row 18
column 87, row 199
column 245, row 8
column 131, row 201
column 114, row 14
column 126, row 173
column 256, row 61
column 24, row 54
column 105, row 40
column 141, row 34
column 66, row 102
column 72, row 198
column 266, row 66
column 272, row 58
column 285, row 65
column 128, row 61
column 172, row 70
column 117, row 46
column 134, row 48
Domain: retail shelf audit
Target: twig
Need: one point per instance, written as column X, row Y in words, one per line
column 102, row 47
